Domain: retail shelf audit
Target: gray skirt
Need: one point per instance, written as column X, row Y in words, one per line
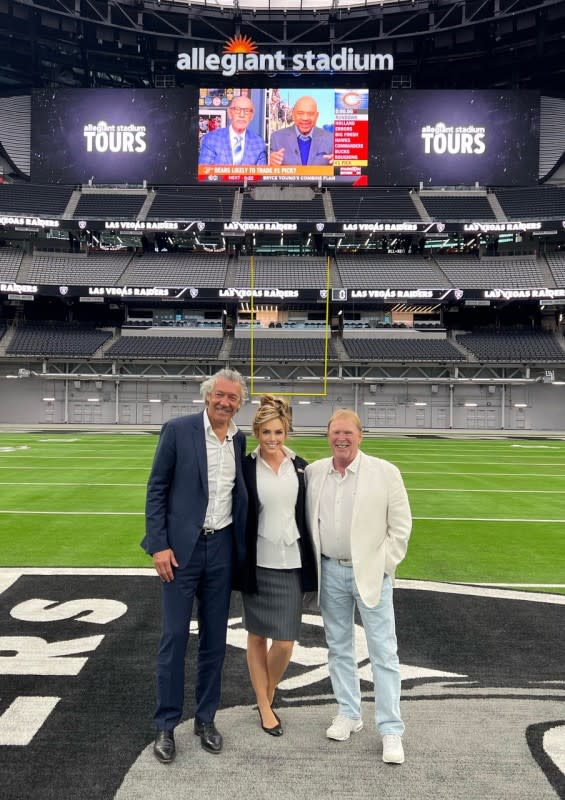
column 275, row 612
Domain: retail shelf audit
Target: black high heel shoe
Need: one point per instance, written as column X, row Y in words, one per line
column 276, row 730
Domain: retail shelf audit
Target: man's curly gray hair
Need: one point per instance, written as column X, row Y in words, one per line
column 207, row 386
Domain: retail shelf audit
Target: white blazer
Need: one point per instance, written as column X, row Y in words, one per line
column 381, row 523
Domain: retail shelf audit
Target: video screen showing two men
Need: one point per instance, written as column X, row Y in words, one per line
column 282, row 134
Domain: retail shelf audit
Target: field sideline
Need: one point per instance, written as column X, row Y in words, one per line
column 485, row 511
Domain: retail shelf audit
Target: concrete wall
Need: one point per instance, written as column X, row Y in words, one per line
column 386, row 405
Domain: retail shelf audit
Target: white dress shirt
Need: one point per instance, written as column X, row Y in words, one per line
column 336, row 511
column 277, row 532
column 221, row 475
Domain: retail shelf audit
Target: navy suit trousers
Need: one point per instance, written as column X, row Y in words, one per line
column 208, row 577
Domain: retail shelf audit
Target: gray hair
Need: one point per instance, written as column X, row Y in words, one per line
column 207, row 386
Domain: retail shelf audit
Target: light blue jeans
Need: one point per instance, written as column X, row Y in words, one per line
column 338, row 597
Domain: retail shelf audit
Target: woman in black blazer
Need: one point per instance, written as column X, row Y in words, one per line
column 280, row 564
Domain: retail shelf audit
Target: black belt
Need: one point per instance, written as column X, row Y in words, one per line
column 343, row 562
column 212, row 531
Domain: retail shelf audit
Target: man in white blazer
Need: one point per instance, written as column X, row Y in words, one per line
column 360, row 520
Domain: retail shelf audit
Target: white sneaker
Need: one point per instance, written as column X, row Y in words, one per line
column 393, row 752
column 342, row 727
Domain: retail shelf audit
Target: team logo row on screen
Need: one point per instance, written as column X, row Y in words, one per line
column 352, row 136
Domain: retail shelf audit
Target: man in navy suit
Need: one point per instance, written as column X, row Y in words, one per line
column 302, row 143
column 195, row 532
column 235, row 144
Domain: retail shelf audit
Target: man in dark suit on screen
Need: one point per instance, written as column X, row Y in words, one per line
column 195, row 532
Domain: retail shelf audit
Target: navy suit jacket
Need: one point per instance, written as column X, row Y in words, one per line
column 215, row 148
column 248, row 580
column 322, row 144
column 177, row 491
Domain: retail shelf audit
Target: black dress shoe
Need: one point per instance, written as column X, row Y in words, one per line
column 276, row 730
column 210, row 737
column 164, row 747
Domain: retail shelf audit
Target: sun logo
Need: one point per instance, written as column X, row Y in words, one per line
column 240, row 44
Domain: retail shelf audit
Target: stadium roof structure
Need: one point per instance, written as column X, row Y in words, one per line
column 280, row 6
column 435, row 43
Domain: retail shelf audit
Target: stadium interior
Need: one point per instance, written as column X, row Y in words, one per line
column 415, row 274
column 423, row 305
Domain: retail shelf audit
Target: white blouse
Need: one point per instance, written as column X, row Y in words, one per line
column 277, row 534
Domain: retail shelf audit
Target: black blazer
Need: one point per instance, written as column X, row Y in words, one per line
column 248, row 582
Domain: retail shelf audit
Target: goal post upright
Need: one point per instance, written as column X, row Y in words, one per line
column 324, row 392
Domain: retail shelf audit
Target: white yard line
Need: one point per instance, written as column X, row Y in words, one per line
column 76, row 513
column 417, row 458
column 506, row 460
column 141, row 513
column 495, row 590
column 149, row 571
column 489, row 491
column 527, row 475
column 490, row 590
column 71, row 457
column 18, row 512
column 74, row 468
column 45, row 483
column 523, row 585
column 435, row 489
column 485, row 519
column 410, row 489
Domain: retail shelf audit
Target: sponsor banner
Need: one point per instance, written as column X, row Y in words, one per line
column 525, row 294
column 129, row 226
column 535, row 227
column 28, row 223
column 184, row 294
column 17, row 289
column 274, row 294
column 503, row 227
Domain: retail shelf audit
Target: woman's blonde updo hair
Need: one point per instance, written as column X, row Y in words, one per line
column 270, row 408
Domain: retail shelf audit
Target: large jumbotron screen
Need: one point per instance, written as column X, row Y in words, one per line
column 255, row 135
column 333, row 124
column 448, row 138
column 113, row 136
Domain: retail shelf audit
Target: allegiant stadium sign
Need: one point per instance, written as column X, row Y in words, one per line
column 230, row 63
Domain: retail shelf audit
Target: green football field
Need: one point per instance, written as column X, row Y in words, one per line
column 484, row 510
